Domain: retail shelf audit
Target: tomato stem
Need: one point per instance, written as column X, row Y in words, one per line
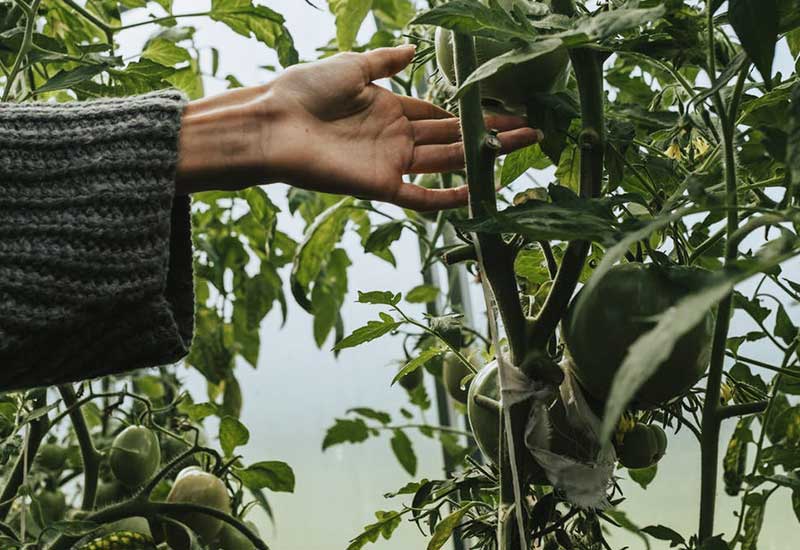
column 89, row 454
column 496, row 261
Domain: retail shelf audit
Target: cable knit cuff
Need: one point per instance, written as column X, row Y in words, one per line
column 95, row 248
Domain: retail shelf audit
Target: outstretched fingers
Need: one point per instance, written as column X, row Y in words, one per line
column 448, row 157
column 448, row 130
column 422, row 199
column 387, row 62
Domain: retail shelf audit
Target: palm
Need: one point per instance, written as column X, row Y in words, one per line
column 351, row 136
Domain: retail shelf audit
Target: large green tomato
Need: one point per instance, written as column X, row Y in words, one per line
column 195, row 486
column 620, row 310
column 512, row 87
column 485, row 421
column 135, row 455
column 453, row 373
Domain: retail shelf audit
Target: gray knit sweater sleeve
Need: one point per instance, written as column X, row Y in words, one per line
column 95, row 248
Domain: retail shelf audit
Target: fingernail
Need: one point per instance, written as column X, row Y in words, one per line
column 412, row 47
column 539, row 135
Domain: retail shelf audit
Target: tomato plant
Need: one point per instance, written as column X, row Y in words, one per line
column 671, row 147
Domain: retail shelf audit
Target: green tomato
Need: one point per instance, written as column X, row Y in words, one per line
column 619, row 311
column 53, row 506
column 135, row 455
column 639, row 447
column 109, row 493
column 230, row 538
column 485, row 420
column 51, row 457
column 511, row 88
column 661, row 440
column 195, row 486
column 453, row 373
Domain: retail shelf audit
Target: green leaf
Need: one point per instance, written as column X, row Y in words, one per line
column 387, row 523
column 189, row 81
column 714, row 543
column 644, row 476
column 199, row 411
column 404, row 451
column 232, row 434
column 477, row 19
column 350, row 14
column 735, row 460
column 586, row 219
column 371, row 331
column 380, row 416
column 319, row 242
column 662, row 532
column 384, row 236
column 753, row 521
column 165, row 52
column 622, row 519
column 379, row 297
column 444, row 529
column 419, row 361
column 520, row 161
column 261, row 22
column 785, row 329
column 66, row 79
column 756, row 25
column 346, row 430
column 273, row 475
column 422, row 294
column 568, row 172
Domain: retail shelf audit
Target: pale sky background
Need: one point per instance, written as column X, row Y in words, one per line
column 298, row 390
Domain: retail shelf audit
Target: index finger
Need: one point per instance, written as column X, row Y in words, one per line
column 386, row 62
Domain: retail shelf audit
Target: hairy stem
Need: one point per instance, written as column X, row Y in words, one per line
column 38, row 430
column 589, row 73
column 89, row 454
column 497, row 265
column 710, row 426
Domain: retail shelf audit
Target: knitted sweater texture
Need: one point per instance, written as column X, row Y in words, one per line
column 95, row 248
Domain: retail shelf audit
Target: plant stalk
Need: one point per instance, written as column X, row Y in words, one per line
column 89, row 454
column 589, row 73
column 497, row 265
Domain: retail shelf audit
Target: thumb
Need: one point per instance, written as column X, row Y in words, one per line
column 386, row 62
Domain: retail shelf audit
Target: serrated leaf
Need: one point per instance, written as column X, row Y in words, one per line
column 165, row 52
column 422, row 294
column 318, row 243
column 404, row 452
column 273, row 475
column 387, row 523
column 379, row 297
column 371, row 331
column 520, row 161
column 66, row 79
column 380, row 416
column 346, row 430
column 350, row 14
column 258, row 21
column 232, row 434
column 417, row 362
column 444, row 529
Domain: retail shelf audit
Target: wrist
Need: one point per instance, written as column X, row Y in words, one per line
column 219, row 146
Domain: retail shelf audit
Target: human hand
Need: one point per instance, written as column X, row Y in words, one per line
column 326, row 126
